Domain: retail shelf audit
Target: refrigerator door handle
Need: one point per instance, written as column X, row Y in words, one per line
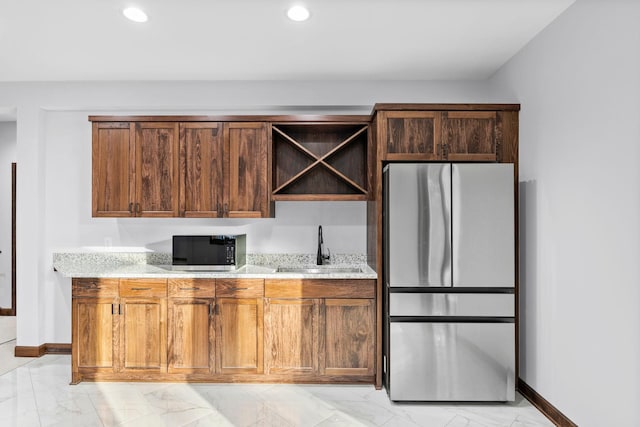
column 434, row 224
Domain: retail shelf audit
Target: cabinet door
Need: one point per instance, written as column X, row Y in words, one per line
column 156, row 177
column 470, row 135
column 112, row 155
column 143, row 334
column 239, row 336
column 247, row 192
column 410, row 135
column 201, row 169
column 94, row 335
column 349, row 329
column 291, row 335
column 191, row 335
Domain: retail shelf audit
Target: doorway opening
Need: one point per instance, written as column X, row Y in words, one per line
column 11, row 311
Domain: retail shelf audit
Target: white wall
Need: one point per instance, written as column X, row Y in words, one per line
column 7, row 156
column 54, row 189
column 579, row 86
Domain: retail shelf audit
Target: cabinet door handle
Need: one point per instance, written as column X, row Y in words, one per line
column 140, row 289
column 115, row 311
column 120, row 309
column 130, row 208
column 238, row 289
column 190, row 289
column 138, row 209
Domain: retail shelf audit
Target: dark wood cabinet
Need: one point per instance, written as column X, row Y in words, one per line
column 156, row 172
column 349, row 338
column 442, row 135
column 321, row 161
column 471, row 135
column 224, row 168
column 292, row 335
column 112, row 157
column 247, row 191
column 223, row 330
column 410, row 135
column 190, row 326
column 239, row 326
column 94, row 326
column 118, row 328
column 190, row 169
column 135, row 169
column 143, row 325
column 308, row 331
column 95, row 333
column 201, row 169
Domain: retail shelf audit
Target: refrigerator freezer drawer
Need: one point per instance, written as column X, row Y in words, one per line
column 451, row 304
column 452, row 361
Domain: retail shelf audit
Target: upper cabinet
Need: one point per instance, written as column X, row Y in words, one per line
column 471, row 135
column 238, row 166
column 135, row 169
column 450, row 132
column 408, row 135
column 156, row 169
column 188, row 169
column 201, row 169
column 247, row 150
column 112, row 157
column 321, row 161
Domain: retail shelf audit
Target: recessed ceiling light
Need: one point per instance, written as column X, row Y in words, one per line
column 135, row 14
column 298, row 13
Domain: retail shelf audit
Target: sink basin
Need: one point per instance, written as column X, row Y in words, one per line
column 319, row 270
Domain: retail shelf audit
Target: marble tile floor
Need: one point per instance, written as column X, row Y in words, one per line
column 7, row 328
column 38, row 394
column 7, row 345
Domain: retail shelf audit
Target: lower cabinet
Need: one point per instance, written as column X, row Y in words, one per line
column 118, row 328
column 143, row 325
column 190, row 336
column 308, row 332
column 239, row 338
column 239, row 318
column 190, row 326
column 223, row 330
column 94, row 335
column 292, row 335
column 349, row 336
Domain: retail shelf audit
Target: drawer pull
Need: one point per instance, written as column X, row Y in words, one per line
column 88, row 285
column 190, row 289
column 238, row 289
column 140, row 289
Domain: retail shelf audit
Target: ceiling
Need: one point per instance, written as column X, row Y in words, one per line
column 90, row 40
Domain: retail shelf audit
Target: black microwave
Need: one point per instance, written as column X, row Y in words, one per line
column 224, row 252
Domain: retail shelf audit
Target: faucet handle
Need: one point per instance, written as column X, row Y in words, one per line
column 328, row 256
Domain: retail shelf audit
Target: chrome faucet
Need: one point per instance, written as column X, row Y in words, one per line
column 321, row 258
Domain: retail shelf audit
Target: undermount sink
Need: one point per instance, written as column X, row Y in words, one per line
column 319, row 270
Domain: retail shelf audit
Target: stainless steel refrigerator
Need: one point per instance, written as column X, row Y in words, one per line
column 449, row 270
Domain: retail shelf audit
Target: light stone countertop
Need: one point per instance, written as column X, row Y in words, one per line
column 157, row 265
